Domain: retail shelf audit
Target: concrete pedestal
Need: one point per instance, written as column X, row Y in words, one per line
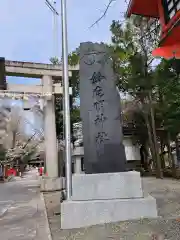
column 107, row 186
column 48, row 184
column 105, row 198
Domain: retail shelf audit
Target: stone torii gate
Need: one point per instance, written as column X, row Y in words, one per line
column 47, row 73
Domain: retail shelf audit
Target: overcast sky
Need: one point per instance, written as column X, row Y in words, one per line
column 26, row 28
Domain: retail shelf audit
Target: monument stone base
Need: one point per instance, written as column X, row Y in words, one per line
column 106, row 198
column 48, row 184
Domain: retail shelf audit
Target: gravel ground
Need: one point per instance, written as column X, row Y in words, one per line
column 166, row 226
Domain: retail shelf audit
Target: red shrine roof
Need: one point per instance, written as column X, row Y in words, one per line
column 148, row 8
column 167, row 52
column 169, row 46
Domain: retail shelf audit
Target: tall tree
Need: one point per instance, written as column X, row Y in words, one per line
column 168, row 81
column 16, row 144
column 131, row 47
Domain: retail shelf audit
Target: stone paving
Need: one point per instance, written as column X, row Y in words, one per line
column 25, row 217
column 166, row 226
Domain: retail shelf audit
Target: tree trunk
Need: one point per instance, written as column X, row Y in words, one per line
column 170, row 157
column 145, row 153
column 150, row 139
column 163, row 164
column 13, row 139
column 173, row 165
column 159, row 172
column 177, row 151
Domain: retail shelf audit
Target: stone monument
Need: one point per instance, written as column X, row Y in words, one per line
column 100, row 112
column 106, row 192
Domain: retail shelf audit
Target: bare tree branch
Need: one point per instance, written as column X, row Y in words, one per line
column 104, row 13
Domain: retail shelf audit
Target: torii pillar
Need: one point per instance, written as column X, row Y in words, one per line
column 50, row 182
column 50, row 130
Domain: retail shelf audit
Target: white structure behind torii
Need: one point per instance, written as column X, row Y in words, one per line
column 46, row 72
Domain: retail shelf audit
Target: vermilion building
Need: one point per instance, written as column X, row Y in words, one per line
column 168, row 13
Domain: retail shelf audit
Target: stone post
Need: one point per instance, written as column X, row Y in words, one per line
column 50, row 130
column 77, row 165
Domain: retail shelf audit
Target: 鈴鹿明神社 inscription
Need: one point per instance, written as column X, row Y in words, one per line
column 100, row 112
